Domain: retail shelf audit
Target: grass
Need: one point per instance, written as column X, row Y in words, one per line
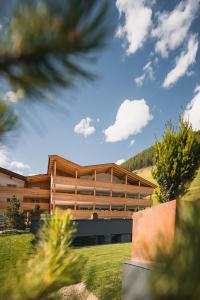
column 193, row 193
column 102, row 271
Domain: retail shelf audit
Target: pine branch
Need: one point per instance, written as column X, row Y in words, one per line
column 45, row 45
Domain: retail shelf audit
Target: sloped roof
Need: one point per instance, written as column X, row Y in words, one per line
column 72, row 167
column 12, row 174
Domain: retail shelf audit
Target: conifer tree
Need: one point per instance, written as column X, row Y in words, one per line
column 14, row 218
column 177, row 158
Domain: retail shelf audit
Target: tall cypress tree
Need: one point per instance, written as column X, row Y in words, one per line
column 177, row 158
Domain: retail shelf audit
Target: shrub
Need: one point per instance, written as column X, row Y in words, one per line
column 14, row 218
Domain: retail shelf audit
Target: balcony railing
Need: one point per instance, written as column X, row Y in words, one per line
column 25, row 192
column 59, row 181
column 71, row 199
column 86, row 214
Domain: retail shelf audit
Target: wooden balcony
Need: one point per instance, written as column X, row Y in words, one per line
column 25, row 192
column 102, row 214
column 27, row 205
column 31, row 205
column 59, row 181
column 71, row 199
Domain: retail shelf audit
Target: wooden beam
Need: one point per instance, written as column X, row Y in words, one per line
column 95, row 179
column 53, row 185
column 76, row 190
column 139, row 196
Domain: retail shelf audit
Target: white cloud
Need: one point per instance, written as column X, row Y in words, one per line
column 140, row 80
column 137, row 22
column 132, row 142
column 173, row 27
column 191, row 114
column 14, row 96
column 84, row 127
column 183, row 62
column 132, row 116
column 120, row 161
column 4, row 156
column 19, row 165
column 148, row 72
column 7, row 162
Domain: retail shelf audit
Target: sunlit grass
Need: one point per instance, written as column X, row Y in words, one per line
column 102, row 272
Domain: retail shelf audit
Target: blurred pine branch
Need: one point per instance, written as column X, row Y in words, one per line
column 48, row 45
column 53, row 266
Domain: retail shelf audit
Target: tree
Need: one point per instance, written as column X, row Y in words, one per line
column 48, row 44
column 177, row 158
column 14, row 218
column 53, row 266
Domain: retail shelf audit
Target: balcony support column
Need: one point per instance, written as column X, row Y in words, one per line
column 95, row 179
column 111, row 192
column 53, row 188
column 126, row 181
column 76, row 176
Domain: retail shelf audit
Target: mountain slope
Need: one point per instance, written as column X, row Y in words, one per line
column 193, row 193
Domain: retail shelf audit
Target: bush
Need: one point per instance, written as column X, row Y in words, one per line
column 14, row 218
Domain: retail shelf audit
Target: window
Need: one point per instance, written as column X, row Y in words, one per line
column 11, row 185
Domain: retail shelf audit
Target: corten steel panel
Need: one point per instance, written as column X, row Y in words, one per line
column 102, row 227
column 153, row 228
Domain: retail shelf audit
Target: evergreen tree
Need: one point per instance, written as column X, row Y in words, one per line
column 177, row 158
column 14, row 218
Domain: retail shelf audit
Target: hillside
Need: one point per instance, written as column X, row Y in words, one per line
column 142, row 164
column 140, row 160
column 145, row 158
column 193, row 193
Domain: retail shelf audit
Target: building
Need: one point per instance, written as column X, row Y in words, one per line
column 107, row 189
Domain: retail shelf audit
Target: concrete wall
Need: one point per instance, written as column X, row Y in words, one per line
column 102, row 230
column 135, row 281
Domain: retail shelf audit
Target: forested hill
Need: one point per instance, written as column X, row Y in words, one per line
column 141, row 160
column 145, row 158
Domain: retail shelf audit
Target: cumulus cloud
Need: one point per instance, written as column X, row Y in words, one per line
column 191, row 114
column 183, row 62
column 13, row 165
column 148, row 72
column 132, row 116
column 4, row 156
column 137, row 23
column 84, row 127
column 19, row 165
column 173, row 27
column 120, row 161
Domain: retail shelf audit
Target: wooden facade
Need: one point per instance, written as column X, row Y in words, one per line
column 107, row 189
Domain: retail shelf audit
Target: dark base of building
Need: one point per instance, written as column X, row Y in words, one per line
column 98, row 232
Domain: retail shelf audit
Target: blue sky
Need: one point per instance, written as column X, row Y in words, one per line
column 148, row 74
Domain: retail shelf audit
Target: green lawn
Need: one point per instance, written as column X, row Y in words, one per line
column 102, row 272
